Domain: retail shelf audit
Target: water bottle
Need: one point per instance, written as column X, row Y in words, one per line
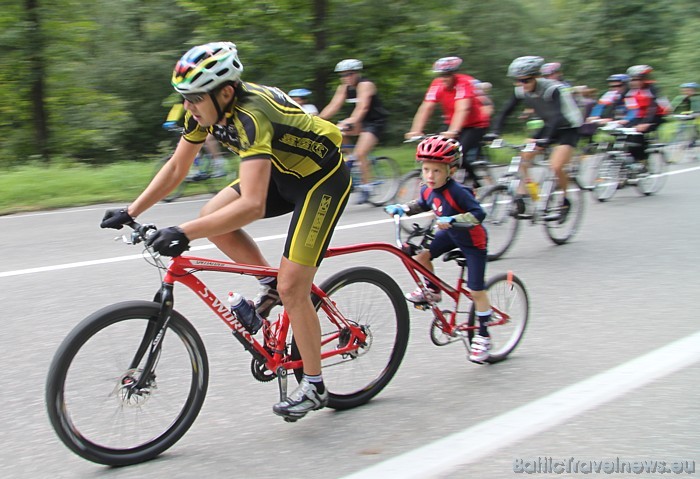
column 244, row 311
column 532, row 189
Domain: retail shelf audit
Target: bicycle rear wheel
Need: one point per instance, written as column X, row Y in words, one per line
column 562, row 230
column 654, row 178
column 507, row 293
column 501, row 220
column 409, row 190
column 372, row 300
column 90, row 404
column 607, row 178
column 385, row 180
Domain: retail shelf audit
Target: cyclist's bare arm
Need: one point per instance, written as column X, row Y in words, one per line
column 425, row 111
column 172, row 174
column 365, row 91
column 254, row 177
column 335, row 104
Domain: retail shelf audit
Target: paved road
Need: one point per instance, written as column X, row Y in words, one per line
column 607, row 311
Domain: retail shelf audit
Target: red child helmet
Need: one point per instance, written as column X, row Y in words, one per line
column 439, row 149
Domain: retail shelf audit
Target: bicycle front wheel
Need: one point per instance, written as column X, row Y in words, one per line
column 90, row 404
column 385, row 180
column 371, row 299
column 501, row 220
column 507, row 293
column 653, row 178
column 563, row 229
column 607, row 178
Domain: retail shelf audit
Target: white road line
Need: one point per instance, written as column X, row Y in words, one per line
column 478, row 441
column 82, row 264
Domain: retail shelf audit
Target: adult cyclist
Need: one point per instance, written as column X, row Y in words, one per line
column 611, row 105
column 290, row 162
column 367, row 120
column 464, row 118
column 554, row 104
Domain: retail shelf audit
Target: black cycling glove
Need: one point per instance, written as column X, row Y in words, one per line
column 169, row 241
column 116, row 219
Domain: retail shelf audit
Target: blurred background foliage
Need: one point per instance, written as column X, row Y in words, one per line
column 89, row 81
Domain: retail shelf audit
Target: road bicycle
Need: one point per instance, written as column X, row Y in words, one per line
column 507, row 294
column 211, row 174
column 619, row 168
column 685, row 143
column 506, row 208
column 411, row 182
column 130, row 379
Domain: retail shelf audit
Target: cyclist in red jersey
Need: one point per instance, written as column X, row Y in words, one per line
column 461, row 108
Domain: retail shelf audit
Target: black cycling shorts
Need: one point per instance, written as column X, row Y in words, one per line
column 563, row 136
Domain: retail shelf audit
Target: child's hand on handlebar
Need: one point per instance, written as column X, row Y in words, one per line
column 395, row 210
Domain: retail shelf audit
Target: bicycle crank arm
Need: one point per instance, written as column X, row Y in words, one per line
column 282, row 382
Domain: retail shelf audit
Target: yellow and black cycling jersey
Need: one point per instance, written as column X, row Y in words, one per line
column 264, row 122
column 309, row 176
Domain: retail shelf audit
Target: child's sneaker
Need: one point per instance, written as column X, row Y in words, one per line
column 480, row 349
column 418, row 297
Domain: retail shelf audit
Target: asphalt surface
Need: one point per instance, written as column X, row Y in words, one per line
column 624, row 288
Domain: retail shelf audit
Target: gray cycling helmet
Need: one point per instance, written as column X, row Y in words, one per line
column 639, row 71
column 525, row 67
column 347, row 65
column 692, row 85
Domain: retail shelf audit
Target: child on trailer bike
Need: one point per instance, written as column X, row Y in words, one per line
column 452, row 203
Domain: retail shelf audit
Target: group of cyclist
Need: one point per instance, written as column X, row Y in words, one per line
column 292, row 161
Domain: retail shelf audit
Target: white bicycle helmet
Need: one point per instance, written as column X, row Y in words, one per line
column 347, row 65
column 639, row 71
column 525, row 67
column 205, row 67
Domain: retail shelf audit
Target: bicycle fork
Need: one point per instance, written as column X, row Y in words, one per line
column 151, row 344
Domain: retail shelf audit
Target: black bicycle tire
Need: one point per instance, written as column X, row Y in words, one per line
column 508, row 215
column 401, row 316
column 514, row 341
column 575, row 214
column 393, row 180
column 59, row 416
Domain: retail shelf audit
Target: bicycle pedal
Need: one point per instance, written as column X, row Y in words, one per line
column 524, row 216
column 291, row 419
column 421, row 306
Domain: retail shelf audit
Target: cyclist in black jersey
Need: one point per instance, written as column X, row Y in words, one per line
column 554, row 104
column 367, row 120
column 290, row 162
